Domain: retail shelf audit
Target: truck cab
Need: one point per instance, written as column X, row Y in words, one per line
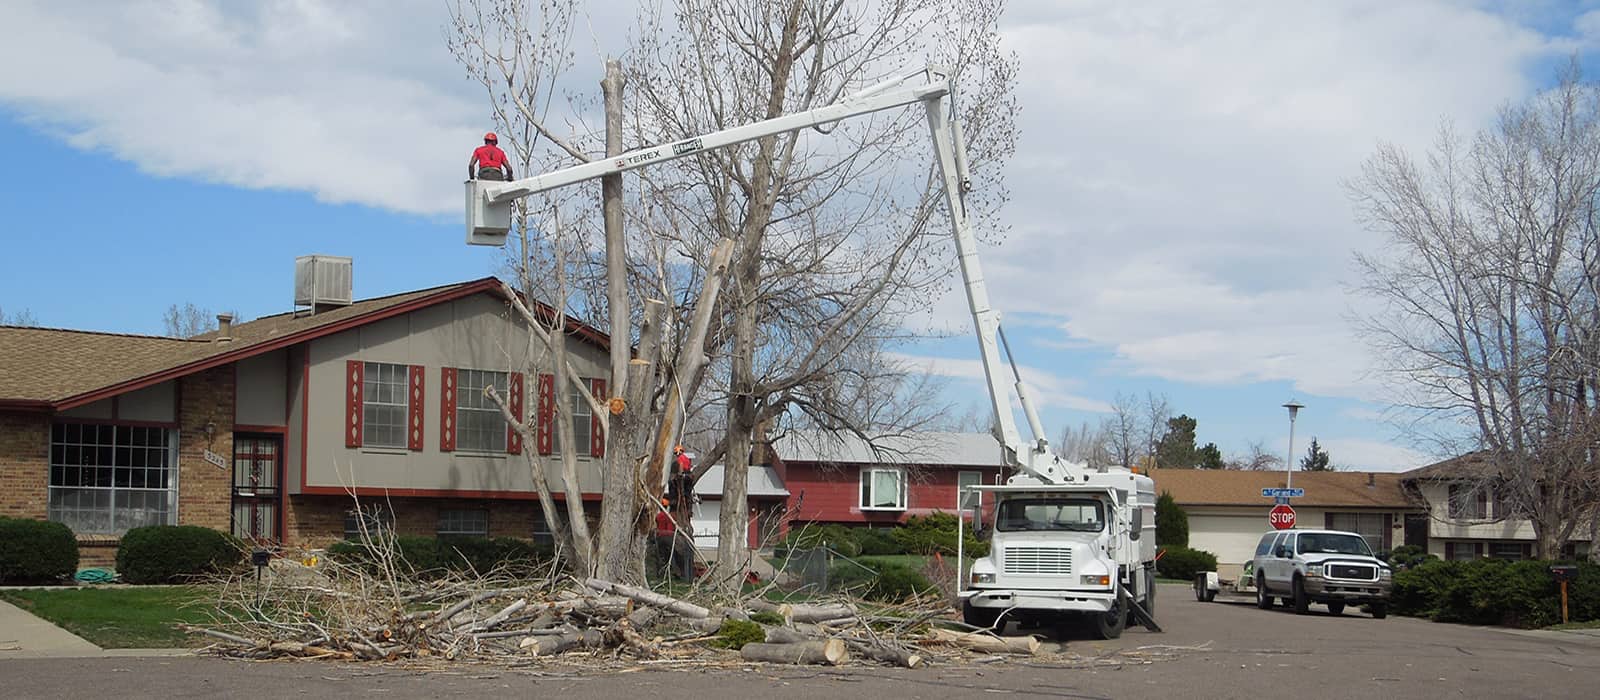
column 1065, row 552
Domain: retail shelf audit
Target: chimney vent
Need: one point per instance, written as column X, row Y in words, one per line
column 322, row 282
column 1372, row 480
column 224, row 328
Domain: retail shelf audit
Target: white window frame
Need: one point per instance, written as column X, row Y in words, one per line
column 462, row 522
column 470, row 401
column 121, row 444
column 582, row 419
column 372, row 390
column 868, row 488
column 975, row 498
column 1374, row 527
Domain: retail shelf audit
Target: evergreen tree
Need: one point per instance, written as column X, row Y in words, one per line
column 1211, row 457
column 1172, row 524
column 1316, row 459
column 1176, row 449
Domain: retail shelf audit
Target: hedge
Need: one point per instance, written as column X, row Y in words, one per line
column 174, row 553
column 1495, row 592
column 838, row 537
column 1183, row 563
column 935, row 533
column 36, row 551
column 881, row 580
column 430, row 557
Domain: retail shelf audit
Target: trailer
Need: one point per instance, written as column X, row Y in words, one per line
column 1208, row 585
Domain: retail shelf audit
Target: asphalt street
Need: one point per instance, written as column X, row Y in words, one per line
column 1209, row 650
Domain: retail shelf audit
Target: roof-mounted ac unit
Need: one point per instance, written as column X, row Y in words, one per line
column 322, row 281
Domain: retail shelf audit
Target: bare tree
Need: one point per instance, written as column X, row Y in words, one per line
column 188, row 321
column 1256, row 459
column 1090, row 444
column 18, row 318
column 1488, row 319
column 1134, row 427
column 836, row 237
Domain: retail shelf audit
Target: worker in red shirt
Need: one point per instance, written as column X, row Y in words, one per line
column 673, row 557
column 488, row 161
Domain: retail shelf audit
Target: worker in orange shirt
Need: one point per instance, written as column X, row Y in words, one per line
column 488, row 161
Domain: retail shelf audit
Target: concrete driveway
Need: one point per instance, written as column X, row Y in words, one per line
column 1241, row 652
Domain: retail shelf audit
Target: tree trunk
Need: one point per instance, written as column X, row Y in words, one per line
column 830, row 653
column 618, row 550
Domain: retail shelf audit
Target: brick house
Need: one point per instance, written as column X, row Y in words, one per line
column 268, row 428
column 1227, row 513
column 841, row 478
column 1465, row 517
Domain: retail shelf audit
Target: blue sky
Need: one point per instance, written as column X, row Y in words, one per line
column 1177, row 224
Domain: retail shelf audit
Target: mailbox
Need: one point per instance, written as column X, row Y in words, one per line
column 1564, row 572
column 261, row 557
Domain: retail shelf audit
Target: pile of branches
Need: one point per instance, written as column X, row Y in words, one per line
column 377, row 609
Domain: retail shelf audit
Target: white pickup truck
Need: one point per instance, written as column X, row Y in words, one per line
column 1320, row 566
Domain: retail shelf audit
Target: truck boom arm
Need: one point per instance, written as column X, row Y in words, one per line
column 489, row 216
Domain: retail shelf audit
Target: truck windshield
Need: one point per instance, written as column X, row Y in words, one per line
column 1332, row 543
column 1072, row 514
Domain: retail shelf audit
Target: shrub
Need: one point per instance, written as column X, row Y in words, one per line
column 877, row 542
column 734, row 634
column 836, row 536
column 935, row 533
column 1494, row 592
column 1409, row 555
column 36, row 551
column 877, row 579
column 1172, row 523
column 1183, row 563
column 173, row 553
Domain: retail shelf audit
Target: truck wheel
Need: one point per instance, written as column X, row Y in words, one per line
column 1200, row 587
column 1380, row 611
column 1263, row 600
column 1302, row 602
column 1336, row 608
column 1109, row 624
column 983, row 618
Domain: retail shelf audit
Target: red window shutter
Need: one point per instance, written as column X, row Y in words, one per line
column 514, row 438
column 414, row 408
column 597, row 437
column 354, row 374
column 547, row 409
column 447, row 409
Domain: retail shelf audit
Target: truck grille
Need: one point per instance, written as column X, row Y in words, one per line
column 1038, row 560
column 1352, row 571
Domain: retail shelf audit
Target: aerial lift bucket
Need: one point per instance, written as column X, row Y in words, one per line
column 487, row 223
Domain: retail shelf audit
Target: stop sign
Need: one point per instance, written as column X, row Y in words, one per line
column 1281, row 516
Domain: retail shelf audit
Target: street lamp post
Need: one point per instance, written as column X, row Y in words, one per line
column 1288, row 465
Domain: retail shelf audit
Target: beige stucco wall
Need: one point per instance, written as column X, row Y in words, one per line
column 156, row 404
column 1437, row 495
column 472, row 333
column 261, row 385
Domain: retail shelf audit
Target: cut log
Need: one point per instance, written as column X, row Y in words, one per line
column 800, row 612
column 885, row 653
column 547, row 645
column 986, row 643
column 499, row 617
column 831, row 652
column 668, row 603
column 787, row 635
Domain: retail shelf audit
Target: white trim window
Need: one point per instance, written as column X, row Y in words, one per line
column 480, row 427
column 108, row 479
column 883, row 488
column 464, row 522
column 972, row 499
column 369, row 521
column 384, row 406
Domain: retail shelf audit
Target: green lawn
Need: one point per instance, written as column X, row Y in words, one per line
column 1590, row 625
column 120, row 618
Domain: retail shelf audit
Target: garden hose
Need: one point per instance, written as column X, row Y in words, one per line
column 95, row 576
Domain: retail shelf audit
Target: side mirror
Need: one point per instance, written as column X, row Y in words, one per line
column 1280, row 552
column 1138, row 524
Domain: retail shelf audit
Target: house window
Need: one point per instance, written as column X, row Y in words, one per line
column 1468, row 503
column 1510, row 550
column 1368, row 525
column 108, row 479
column 1463, row 551
column 376, row 519
column 383, row 405
column 972, row 499
column 883, row 489
column 480, row 427
column 472, row 522
column 582, row 424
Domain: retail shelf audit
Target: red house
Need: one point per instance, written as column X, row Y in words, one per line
column 841, row 478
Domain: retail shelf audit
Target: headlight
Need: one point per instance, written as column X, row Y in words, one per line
column 982, row 578
column 1092, row 580
column 1385, row 573
column 1314, row 571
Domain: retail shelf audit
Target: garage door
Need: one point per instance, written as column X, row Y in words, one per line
column 705, row 518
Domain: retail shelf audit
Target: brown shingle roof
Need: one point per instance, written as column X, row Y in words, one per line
column 1471, row 465
column 1213, row 487
column 55, row 366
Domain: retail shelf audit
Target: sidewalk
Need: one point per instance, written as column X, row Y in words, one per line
column 26, row 636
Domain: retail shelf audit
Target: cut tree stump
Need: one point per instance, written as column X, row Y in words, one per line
column 986, row 643
column 545, row 645
column 828, row 653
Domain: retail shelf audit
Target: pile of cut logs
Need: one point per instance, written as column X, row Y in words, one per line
column 357, row 614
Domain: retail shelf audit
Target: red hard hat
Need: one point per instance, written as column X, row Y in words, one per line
column 491, row 138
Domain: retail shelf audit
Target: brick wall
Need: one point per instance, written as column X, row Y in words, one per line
column 204, row 489
column 317, row 521
column 24, row 465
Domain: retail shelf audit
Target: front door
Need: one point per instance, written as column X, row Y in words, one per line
column 1417, row 530
column 257, row 496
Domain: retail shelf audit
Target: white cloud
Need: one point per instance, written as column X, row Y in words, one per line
column 1361, row 454
column 1047, row 389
